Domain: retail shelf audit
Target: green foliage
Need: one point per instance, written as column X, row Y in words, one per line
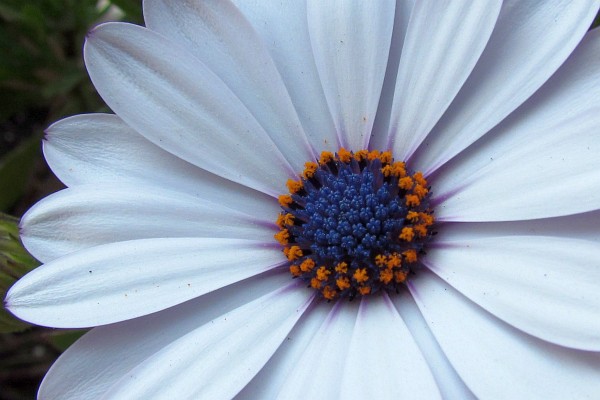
column 14, row 263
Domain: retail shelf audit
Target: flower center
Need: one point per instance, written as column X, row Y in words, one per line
column 354, row 223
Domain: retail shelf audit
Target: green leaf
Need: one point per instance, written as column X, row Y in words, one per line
column 15, row 169
column 15, row 262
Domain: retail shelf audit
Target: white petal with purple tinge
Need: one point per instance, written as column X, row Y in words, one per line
column 477, row 344
column 383, row 359
column 434, row 64
column 89, row 215
column 106, row 354
column 175, row 101
column 218, row 34
column 530, row 41
column 318, row 373
column 218, row 359
column 541, row 161
column 283, row 26
column 124, row 280
column 99, row 148
column 545, row 286
column 351, row 43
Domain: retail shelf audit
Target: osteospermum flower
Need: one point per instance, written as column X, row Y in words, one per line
column 328, row 199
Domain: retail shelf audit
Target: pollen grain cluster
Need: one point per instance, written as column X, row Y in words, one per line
column 354, row 223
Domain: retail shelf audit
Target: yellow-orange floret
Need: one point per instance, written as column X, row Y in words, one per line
column 380, row 260
column 420, row 230
column 294, row 186
column 310, row 168
column 344, row 155
column 407, row 234
column 399, row 169
column 295, row 270
column 405, row 183
column 361, row 155
column 326, row 156
column 400, row 276
column 360, row 275
column 410, row 255
column 386, row 157
column 418, row 177
column 413, row 216
column 373, row 154
column 412, row 200
column 386, row 275
column 282, row 236
column 307, row 265
column 420, row 191
column 329, row 293
column 323, row 273
column 394, row 260
column 341, row 268
column 292, row 253
column 285, row 220
column 364, row 290
column 343, row 283
column 315, row 283
column 285, row 200
column 427, row 219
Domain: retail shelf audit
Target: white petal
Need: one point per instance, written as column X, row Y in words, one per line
column 579, row 226
column 318, row 374
column 434, row 65
column 548, row 287
column 543, row 161
column 530, row 41
column 221, row 357
column 89, row 215
column 97, row 148
column 124, row 280
column 351, row 43
column 88, row 368
column 449, row 383
column 270, row 380
column 283, row 26
column 383, row 360
column 498, row 361
column 219, row 35
column 379, row 137
column 176, row 102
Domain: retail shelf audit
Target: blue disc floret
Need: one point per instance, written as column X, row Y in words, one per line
column 354, row 223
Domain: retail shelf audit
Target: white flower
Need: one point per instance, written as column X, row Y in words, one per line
column 164, row 238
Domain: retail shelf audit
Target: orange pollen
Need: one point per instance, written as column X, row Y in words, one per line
column 412, row 200
column 295, row 270
column 400, row 276
column 326, row 157
column 410, row 255
column 386, row 276
column 294, row 186
column 364, row 290
column 323, row 273
column 344, row 155
column 341, row 268
column 282, row 236
column 361, row 155
column 360, row 275
column 394, row 260
column 285, row 200
column 309, row 169
column 405, row 183
column 307, row 265
column 329, row 293
column 343, row 283
column 407, row 234
column 293, row 253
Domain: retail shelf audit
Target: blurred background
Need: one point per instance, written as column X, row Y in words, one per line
column 42, row 79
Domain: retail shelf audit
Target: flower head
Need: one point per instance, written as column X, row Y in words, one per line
column 258, row 217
